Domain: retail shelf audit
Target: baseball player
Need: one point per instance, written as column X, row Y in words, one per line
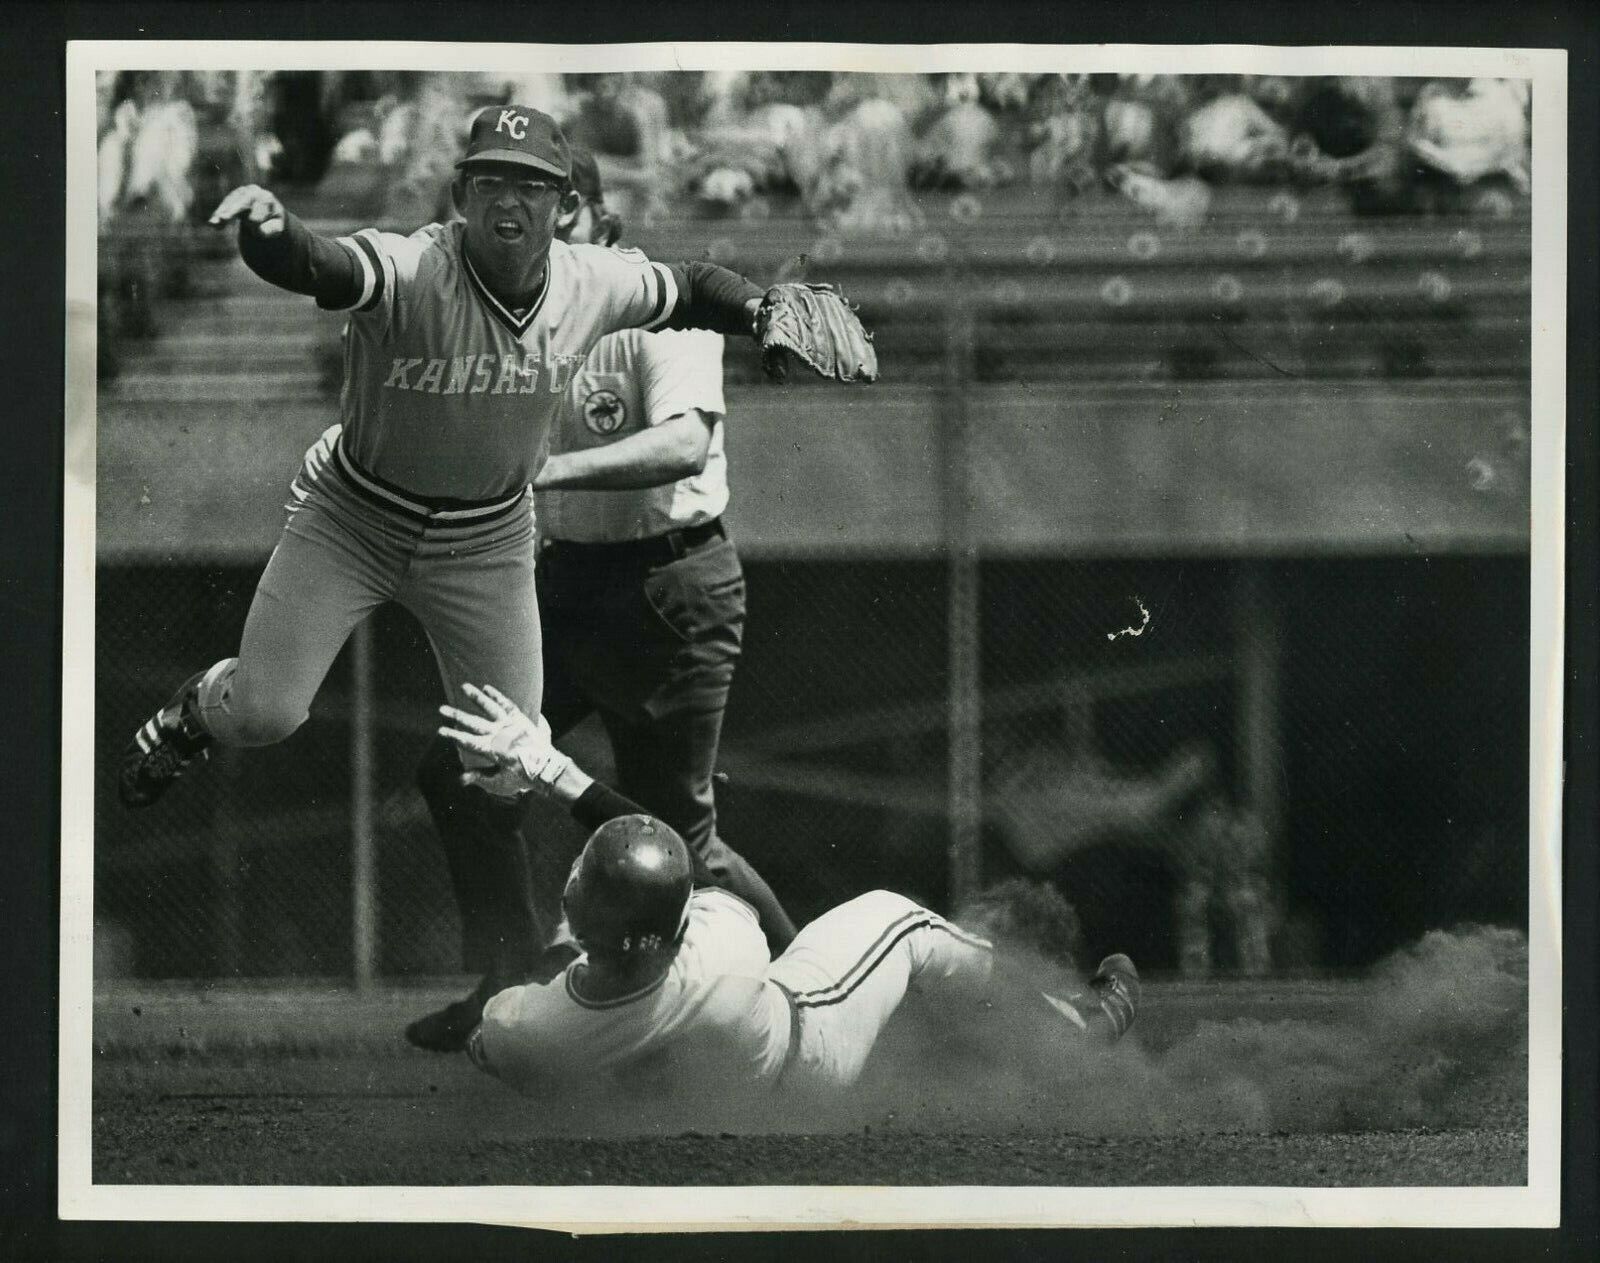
column 673, row 979
column 641, row 600
column 462, row 341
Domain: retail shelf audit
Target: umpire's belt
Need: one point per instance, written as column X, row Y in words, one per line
column 652, row 550
column 428, row 510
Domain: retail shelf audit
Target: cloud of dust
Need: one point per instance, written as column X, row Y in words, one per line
column 1397, row 1050
column 1436, row 1017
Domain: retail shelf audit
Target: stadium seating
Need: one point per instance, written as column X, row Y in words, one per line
column 1267, row 287
column 1330, row 325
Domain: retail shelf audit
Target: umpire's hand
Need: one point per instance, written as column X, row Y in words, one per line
column 251, row 205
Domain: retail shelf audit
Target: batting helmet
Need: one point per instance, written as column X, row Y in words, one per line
column 629, row 890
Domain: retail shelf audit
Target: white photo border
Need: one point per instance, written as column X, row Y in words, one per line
column 595, row 1209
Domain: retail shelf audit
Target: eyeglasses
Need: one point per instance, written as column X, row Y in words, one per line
column 526, row 187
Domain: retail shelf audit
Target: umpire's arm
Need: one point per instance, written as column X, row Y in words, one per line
column 677, row 448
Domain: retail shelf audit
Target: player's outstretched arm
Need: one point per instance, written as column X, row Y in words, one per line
column 518, row 750
column 282, row 251
column 712, row 297
column 791, row 322
column 523, row 759
column 253, row 205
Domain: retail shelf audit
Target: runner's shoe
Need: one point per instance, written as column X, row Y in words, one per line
column 168, row 742
column 1116, row 984
column 448, row 1029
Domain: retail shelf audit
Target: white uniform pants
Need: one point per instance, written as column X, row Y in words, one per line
column 848, row 970
column 341, row 555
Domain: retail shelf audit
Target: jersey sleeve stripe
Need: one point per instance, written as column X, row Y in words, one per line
column 380, row 269
column 369, row 275
column 666, row 297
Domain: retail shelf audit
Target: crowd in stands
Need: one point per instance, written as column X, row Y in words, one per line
column 851, row 152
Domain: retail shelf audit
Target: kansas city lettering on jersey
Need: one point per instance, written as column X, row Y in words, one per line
column 484, row 374
column 431, row 355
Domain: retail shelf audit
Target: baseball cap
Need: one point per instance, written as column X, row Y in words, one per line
column 586, row 174
column 519, row 134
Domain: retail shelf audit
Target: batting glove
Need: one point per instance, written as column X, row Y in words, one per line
column 518, row 748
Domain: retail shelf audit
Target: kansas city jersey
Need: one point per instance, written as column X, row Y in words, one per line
column 723, row 1020
column 447, row 393
column 631, row 381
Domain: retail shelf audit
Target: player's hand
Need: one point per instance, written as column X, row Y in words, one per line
column 251, row 205
column 519, row 749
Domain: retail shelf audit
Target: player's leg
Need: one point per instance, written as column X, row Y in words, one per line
column 655, row 644
column 455, row 808
column 487, row 859
column 848, row 971
column 473, row 591
column 666, row 766
column 484, row 840
column 323, row 578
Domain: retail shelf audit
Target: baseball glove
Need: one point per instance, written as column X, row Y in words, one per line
column 816, row 325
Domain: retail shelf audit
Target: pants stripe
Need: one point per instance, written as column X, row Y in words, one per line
column 877, row 953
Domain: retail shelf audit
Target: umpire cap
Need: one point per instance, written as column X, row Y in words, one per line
column 629, row 889
column 518, row 134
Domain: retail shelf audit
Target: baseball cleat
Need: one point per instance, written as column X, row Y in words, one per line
column 165, row 744
column 1116, row 985
column 448, row 1029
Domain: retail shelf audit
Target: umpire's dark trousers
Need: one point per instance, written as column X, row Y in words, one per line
column 646, row 633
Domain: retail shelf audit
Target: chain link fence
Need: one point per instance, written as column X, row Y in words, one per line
column 1390, row 797
column 1236, row 736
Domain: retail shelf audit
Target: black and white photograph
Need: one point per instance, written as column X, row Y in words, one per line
column 816, row 633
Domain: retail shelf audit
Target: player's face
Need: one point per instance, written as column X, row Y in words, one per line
column 510, row 212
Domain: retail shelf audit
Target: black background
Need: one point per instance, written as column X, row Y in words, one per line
column 32, row 177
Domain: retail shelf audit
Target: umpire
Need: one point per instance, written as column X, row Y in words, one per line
column 642, row 600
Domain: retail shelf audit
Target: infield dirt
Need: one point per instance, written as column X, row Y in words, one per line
column 1415, row 1076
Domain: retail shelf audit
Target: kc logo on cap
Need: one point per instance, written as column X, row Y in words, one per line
column 518, row 134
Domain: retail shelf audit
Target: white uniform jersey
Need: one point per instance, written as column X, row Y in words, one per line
column 450, row 395
column 724, row 1016
column 713, row 1014
column 630, row 382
